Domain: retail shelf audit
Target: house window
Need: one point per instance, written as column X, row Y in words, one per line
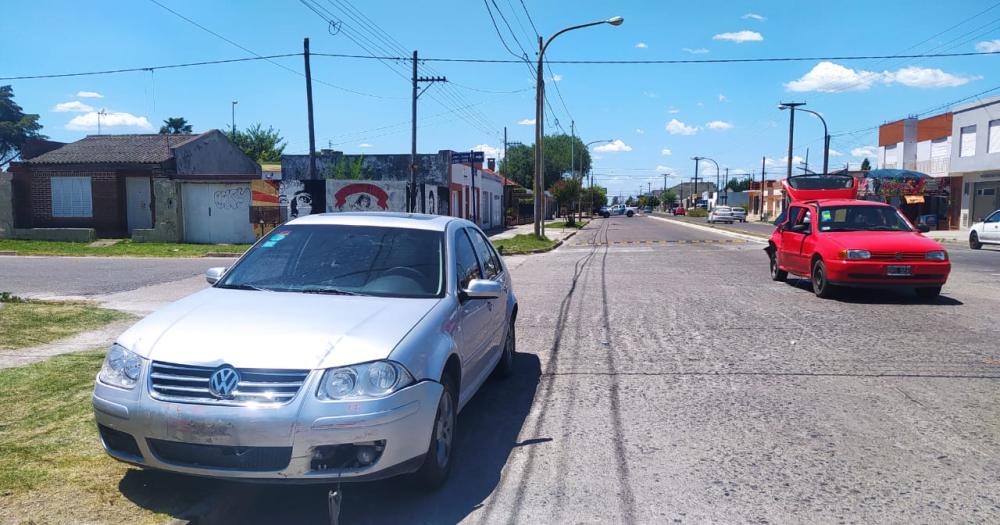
column 994, row 146
column 71, row 197
column 967, row 142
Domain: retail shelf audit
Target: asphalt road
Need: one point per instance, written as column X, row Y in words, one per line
column 651, row 388
column 84, row 276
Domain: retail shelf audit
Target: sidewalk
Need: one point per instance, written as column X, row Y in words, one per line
column 949, row 236
column 556, row 234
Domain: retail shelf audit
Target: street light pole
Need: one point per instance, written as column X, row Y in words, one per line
column 539, row 114
column 717, row 171
column 233, row 129
column 826, row 141
column 791, row 129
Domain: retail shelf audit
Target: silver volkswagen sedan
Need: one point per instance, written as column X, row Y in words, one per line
column 341, row 347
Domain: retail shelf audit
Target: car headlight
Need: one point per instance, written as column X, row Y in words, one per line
column 936, row 255
column 365, row 381
column 855, row 255
column 121, row 367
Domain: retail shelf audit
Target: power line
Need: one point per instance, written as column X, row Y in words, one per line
column 150, row 68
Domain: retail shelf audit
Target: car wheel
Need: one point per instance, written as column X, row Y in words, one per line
column 821, row 285
column 777, row 274
column 630, row 214
column 437, row 463
column 505, row 366
column 929, row 293
column 974, row 241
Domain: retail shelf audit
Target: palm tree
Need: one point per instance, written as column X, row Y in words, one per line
column 175, row 126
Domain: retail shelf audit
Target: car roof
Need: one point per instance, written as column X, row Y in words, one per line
column 416, row 221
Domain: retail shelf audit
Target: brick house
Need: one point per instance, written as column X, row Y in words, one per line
column 189, row 187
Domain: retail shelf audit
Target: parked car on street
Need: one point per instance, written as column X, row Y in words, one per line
column 739, row 214
column 985, row 232
column 622, row 209
column 721, row 214
column 679, row 210
column 841, row 241
column 340, row 347
column 647, row 209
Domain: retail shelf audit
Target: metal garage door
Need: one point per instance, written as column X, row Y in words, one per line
column 986, row 199
column 217, row 213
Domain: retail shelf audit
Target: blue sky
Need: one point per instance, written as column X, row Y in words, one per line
column 662, row 114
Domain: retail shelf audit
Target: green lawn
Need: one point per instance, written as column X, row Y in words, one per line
column 52, row 466
column 524, row 243
column 30, row 323
column 563, row 224
column 121, row 249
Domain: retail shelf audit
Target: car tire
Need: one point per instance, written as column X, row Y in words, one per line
column 440, row 453
column 505, row 366
column 974, row 241
column 777, row 274
column 820, row 283
column 630, row 214
column 929, row 293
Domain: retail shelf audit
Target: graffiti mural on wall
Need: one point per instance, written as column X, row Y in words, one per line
column 232, row 198
column 371, row 195
column 298, row 198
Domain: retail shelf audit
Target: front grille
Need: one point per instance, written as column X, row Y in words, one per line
column 257, row 386
column 119, row 442
column 897, row 256
column 220, row 456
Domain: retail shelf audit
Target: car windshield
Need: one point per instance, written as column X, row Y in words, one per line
column 343, row 260
column 861, row 218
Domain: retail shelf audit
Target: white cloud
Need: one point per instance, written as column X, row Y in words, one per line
column 676, row 127
column 740, row 36
column 641, row 45
column 88, row 121
column 527, row 122
column 723, row 98
column 89, row 94
column 988, row 46
column 922, row 77
column 557, row 77
column 754, row 16
column 865, row 151
column 649, row 94
column 673, row 111
column 835, row 153
column 719, row 125
column 661, row 168
column 365, row 145
column 614, row 146
column 695, row 51
column 74, row 106
column 828, row 77
column 666, row 152
column 488, row 151
column 640, row 131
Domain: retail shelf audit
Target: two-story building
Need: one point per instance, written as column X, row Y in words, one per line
column 976, row 158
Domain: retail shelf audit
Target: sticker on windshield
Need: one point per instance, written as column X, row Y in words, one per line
column 268, row 244
column 825, row 216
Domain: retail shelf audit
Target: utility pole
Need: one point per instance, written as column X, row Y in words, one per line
column 539, row 136
column 504, row 171
column 791, row 129
column 309, row 111
column 233, row 129
column 412, row 193
column 695, row 194
column 100, row 114
column 763, row 178
column 725, row 187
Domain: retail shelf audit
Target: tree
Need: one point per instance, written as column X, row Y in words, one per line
column 566, row 192
column 261, row 145
column 738, row 184
column 669, row 197
column 16, row 127
column 649, row 200
column 175, row 126
column 865, row 165
column 519, row 164
column 593, row 198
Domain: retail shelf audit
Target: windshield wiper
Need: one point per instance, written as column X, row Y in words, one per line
column 838, row 229
column 244, row 287
column 327, row 291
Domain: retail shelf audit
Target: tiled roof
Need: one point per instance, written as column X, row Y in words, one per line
column 115, row 149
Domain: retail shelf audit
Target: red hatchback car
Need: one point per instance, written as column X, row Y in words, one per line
column 840, row 241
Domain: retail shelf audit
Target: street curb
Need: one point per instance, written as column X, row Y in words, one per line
column 746, row 237
column 222, row 254
column 543, row 250
column 8, row 253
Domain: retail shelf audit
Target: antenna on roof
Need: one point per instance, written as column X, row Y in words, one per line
column 100, row 114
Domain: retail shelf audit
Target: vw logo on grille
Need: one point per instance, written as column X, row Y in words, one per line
column 222, row 384
column 899, row 256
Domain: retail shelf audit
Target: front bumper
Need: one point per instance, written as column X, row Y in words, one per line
column 252, row 443
column 874, row 273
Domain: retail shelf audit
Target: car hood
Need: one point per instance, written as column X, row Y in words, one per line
column 883, row 241
column 254, row 329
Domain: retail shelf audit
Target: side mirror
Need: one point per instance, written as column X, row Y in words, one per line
column 799, row 228
column 212, row 275
column 923, row 228
column 482, row 289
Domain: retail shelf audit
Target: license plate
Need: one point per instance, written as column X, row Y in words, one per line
column 898, row 271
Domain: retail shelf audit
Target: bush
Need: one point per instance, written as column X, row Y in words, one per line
column 698, row 212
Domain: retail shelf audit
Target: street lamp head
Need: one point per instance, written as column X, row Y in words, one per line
column 616, row 20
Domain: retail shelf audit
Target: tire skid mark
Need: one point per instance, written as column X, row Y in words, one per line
column 546, row 396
